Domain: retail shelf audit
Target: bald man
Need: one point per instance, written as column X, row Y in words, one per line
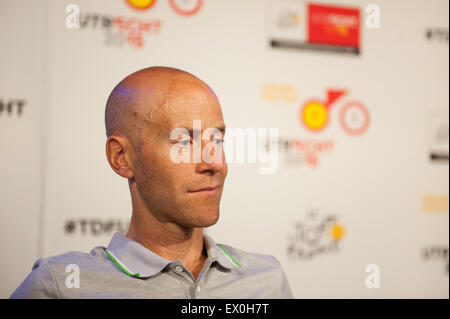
column 151, row 118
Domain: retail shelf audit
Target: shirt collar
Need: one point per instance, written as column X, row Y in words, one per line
column 137, row 261
column 217, row 253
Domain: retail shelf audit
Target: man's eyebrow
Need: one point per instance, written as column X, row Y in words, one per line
column 220, row 128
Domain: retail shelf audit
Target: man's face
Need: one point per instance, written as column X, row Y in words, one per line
column 169, row 189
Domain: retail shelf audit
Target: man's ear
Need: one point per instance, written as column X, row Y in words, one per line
column 118, row 153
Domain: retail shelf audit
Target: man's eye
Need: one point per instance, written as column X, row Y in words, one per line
column 219, row 141
column 185, row 142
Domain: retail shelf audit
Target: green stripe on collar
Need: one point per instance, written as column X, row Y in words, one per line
column 229, row 256
column 118, row 264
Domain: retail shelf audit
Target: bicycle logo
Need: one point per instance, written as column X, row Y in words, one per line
column 354, row 117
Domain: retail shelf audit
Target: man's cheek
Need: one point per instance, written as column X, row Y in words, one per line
column 225, row 170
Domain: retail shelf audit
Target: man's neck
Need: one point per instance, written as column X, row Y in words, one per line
column 170, row 241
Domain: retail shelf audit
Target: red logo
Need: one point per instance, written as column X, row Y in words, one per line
column 354, row 117
column 186, row 7
column 333, row 25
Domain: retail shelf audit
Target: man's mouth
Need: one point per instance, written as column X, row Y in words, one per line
column 211, row 190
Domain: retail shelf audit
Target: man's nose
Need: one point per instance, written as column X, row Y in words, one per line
column 213, row 163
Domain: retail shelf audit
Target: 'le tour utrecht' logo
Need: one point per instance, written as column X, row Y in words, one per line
column 188, row 149
column 315, row 117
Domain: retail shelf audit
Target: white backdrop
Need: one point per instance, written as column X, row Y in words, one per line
column 375, row 198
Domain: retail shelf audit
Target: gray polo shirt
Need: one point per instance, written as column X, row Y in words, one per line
column 126, row 269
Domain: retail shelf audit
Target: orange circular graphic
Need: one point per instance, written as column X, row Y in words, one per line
column 354, row 118
column 314, row 115
column 337, row 232
column 141, row 4
column 186, row 7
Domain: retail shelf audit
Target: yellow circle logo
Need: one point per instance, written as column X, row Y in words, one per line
column 315, row 115
column 141, row 4
column 337, row 232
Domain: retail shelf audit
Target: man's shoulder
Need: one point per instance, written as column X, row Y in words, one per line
column 82, row 259
column 248, row 259
column 262, row 270
column 47, row 273
column 89, row 264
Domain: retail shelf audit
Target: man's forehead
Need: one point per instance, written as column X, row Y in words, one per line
column 181, row 110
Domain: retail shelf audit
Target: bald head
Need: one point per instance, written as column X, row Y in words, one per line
column 132, row 102
column 142, row 114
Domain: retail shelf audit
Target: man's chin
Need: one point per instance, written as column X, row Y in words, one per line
column 206, row 220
